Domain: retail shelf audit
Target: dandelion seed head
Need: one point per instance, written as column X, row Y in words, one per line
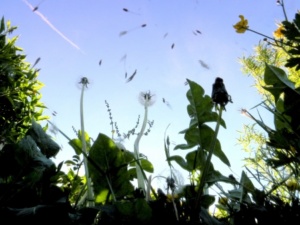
column 147, row 98
column 84, row 81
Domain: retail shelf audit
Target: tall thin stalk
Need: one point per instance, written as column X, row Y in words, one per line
column 90, row 195
column 146, row 100
column 140, row 177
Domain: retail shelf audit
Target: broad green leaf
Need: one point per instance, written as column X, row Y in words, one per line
column 206, row 134
column 142, row 210
column 278, row 80
column 147, row 165
column 180, row 161
column 46, row 144
column 77, row 146
column 109, row 168
column 207, row 201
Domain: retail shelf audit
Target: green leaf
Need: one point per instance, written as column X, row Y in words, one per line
column 246, row 183
column 142, row 210
column 77, row 146
column 46, row 144
column 147, row 165
column 207, row 201
column 284, row 90
column 196, row 160
column 277, row 81
column 180, row 161
column 216, row 177
column 125, row 208
column 109, row 168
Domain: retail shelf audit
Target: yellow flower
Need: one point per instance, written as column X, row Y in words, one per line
column 278, row 33
column 242, row 25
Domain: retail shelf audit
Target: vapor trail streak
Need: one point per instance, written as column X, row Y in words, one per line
column 51, row 25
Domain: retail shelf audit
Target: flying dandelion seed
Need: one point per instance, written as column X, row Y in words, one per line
column 203, row 64
column 196, row 32
column 122, row 33
column 36, row 62
column 123, row 59
column 166, row 103
column 52, row 26
column 129, row 11
column 37, row 6
column 131, row 77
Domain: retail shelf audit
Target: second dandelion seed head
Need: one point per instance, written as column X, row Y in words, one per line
column 146, row 98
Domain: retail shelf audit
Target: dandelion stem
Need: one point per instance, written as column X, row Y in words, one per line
column 90, row 195
column 140, row 177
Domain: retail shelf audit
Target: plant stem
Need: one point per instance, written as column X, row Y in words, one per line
column 90, row 160
column 140, row 177
column 90, row 195
column 207, row 163
column 283, row 8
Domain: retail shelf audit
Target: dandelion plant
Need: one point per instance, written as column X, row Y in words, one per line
column 146, row 99
column 90, row 196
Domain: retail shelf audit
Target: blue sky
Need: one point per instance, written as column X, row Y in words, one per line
column 91, row 31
